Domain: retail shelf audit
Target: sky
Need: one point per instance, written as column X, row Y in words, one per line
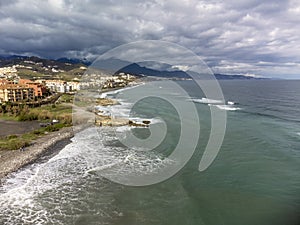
column 253, row 37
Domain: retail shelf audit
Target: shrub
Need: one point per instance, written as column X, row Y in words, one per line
column 52, row 128
column 16, row 144
column 27, row 117
column 13, row 136
column 37, row 132
column 65, row 118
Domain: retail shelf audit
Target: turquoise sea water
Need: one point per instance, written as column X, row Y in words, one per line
column 254, row 179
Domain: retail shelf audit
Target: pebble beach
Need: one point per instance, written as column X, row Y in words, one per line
column 11, row 161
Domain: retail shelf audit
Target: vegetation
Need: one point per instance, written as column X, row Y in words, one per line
column 61, row 112
column 67, row 98
column 29, row 74
column 66, row 75
column 33, row 68
column 44, row 113
column 14, row 142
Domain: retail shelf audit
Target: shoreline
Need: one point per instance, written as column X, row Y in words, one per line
column 13, row 160
column 42, row 148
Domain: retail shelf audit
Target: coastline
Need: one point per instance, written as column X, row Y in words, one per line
column 13, row 160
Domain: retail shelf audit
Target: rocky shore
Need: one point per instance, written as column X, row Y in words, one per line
column 103, row 116
column 11, row 161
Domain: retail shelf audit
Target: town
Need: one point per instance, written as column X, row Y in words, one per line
column 15, row 89
column 36, row 96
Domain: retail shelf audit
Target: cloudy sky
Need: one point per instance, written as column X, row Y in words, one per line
column 260, row 37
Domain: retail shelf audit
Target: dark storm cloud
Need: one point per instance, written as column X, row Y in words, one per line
column 245, row 36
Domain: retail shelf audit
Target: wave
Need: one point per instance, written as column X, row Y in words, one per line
column 231, row 103
column 218, row 104
column 99, row 168
column 61, row 177
column 123, row 109
column 105, row 94
column 122, row 129
column 226, row 107
column 120, row 110
column 212, row 101
column 121, row 90
column 206, row 101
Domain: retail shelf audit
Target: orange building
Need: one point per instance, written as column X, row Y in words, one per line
column 4, row 82
column 39, row 89
column 16, row 93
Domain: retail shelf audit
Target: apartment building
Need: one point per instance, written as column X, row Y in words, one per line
column 62, row 86
column 39, row 89
column 16, row 93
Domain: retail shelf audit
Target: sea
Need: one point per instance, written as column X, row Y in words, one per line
column 100, row 178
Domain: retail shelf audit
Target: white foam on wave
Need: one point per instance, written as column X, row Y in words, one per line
column 121, row 90
column 122, row 110
column 99, row 168
column 298, row 133
column 92, row 153
column 227, row 107
column 206, row 101
column 17, row 199
column 120, row 162
column 230, row 103
column 216, row 102
column 19, row 192
column 103, row 95
column 20, row 195
column 123, row 129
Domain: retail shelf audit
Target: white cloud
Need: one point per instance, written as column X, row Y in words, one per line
column 181, row 67
column 241, row 33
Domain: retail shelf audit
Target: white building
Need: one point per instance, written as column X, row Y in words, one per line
column 62, row 86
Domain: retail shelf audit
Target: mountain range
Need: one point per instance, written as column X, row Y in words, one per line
column 67, row 64
column 136, row 69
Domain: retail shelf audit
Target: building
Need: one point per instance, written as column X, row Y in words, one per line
column 39, row 89
column 5, row 82
column 16, row 93
column 8, row 71
column 56, row 85
column 62, row 86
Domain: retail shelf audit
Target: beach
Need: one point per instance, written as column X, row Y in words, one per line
column 11, row 161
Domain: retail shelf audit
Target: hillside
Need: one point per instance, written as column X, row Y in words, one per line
column 63, row 68
column 35, row 67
